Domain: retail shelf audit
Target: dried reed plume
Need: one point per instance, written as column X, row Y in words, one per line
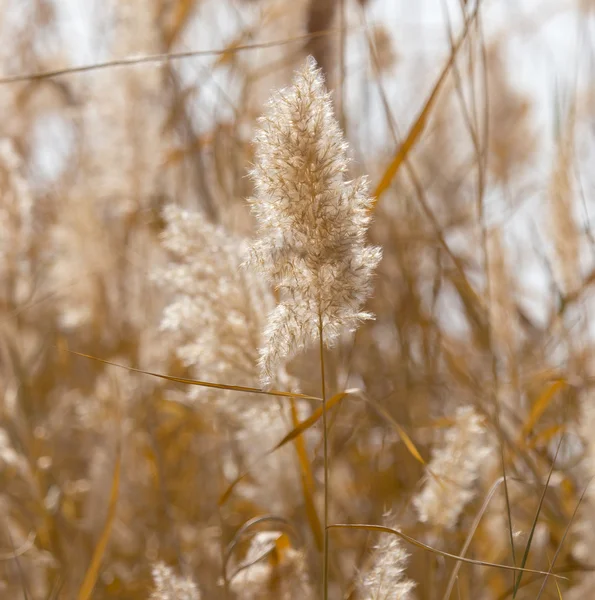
column 215, row 317
column 312, row 222
column 453, row 471
column 214, row 324
column 386, row 577
column 169, row 586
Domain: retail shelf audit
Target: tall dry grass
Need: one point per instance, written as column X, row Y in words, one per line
column 442, row 450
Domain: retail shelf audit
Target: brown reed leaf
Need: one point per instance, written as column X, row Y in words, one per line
column 382, row 412
column 417, row 543
column 545, row 436
column 314, row 417
column 402, row 433
column 93, row 571
column 293, row 434
column 541, row 404
column 182, row 13
column 208, row 384
column 307, row 479
column 159, row 58
column 421, row 121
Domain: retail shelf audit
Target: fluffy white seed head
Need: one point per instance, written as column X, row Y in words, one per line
column 386, row 577
column 214, row 322
column 453, row 470
column 169, row 586
column 218, row 309
column 312, row 222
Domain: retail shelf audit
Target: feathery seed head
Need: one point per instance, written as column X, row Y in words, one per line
column 214, row 322
column 215, row 316
column 454, row 469
column 168, row 586
column 386, row 577
column 312, row 221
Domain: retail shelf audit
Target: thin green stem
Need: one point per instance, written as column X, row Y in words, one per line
column 325, row 552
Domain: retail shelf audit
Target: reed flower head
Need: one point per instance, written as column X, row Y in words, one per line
column 454, row 469
column 312, row 222
column 214, row 321
column 386, row 577
column 215, row 318
column 169, row 586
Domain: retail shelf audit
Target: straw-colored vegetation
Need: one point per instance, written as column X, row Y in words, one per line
column 334, row 345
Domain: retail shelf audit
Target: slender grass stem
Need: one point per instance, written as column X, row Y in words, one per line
column 325, row 552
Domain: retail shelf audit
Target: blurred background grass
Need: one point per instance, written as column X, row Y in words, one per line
column 475, row 124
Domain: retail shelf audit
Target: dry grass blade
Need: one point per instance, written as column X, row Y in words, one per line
column 476, row 521
column 541, row 404
column 161, row 58
column 534, row 525
column 307, row 479
column 553, row 562
column 420, row 122
column 280, row 523
column 314, row 417
column 293, row 434
column 400, row 431
column 93, row 570
column 407, row 441
column 182, row 14
column 414, row 542
column 275, row 551
column 545, row 436
column 228, row 55
column 208, row 384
